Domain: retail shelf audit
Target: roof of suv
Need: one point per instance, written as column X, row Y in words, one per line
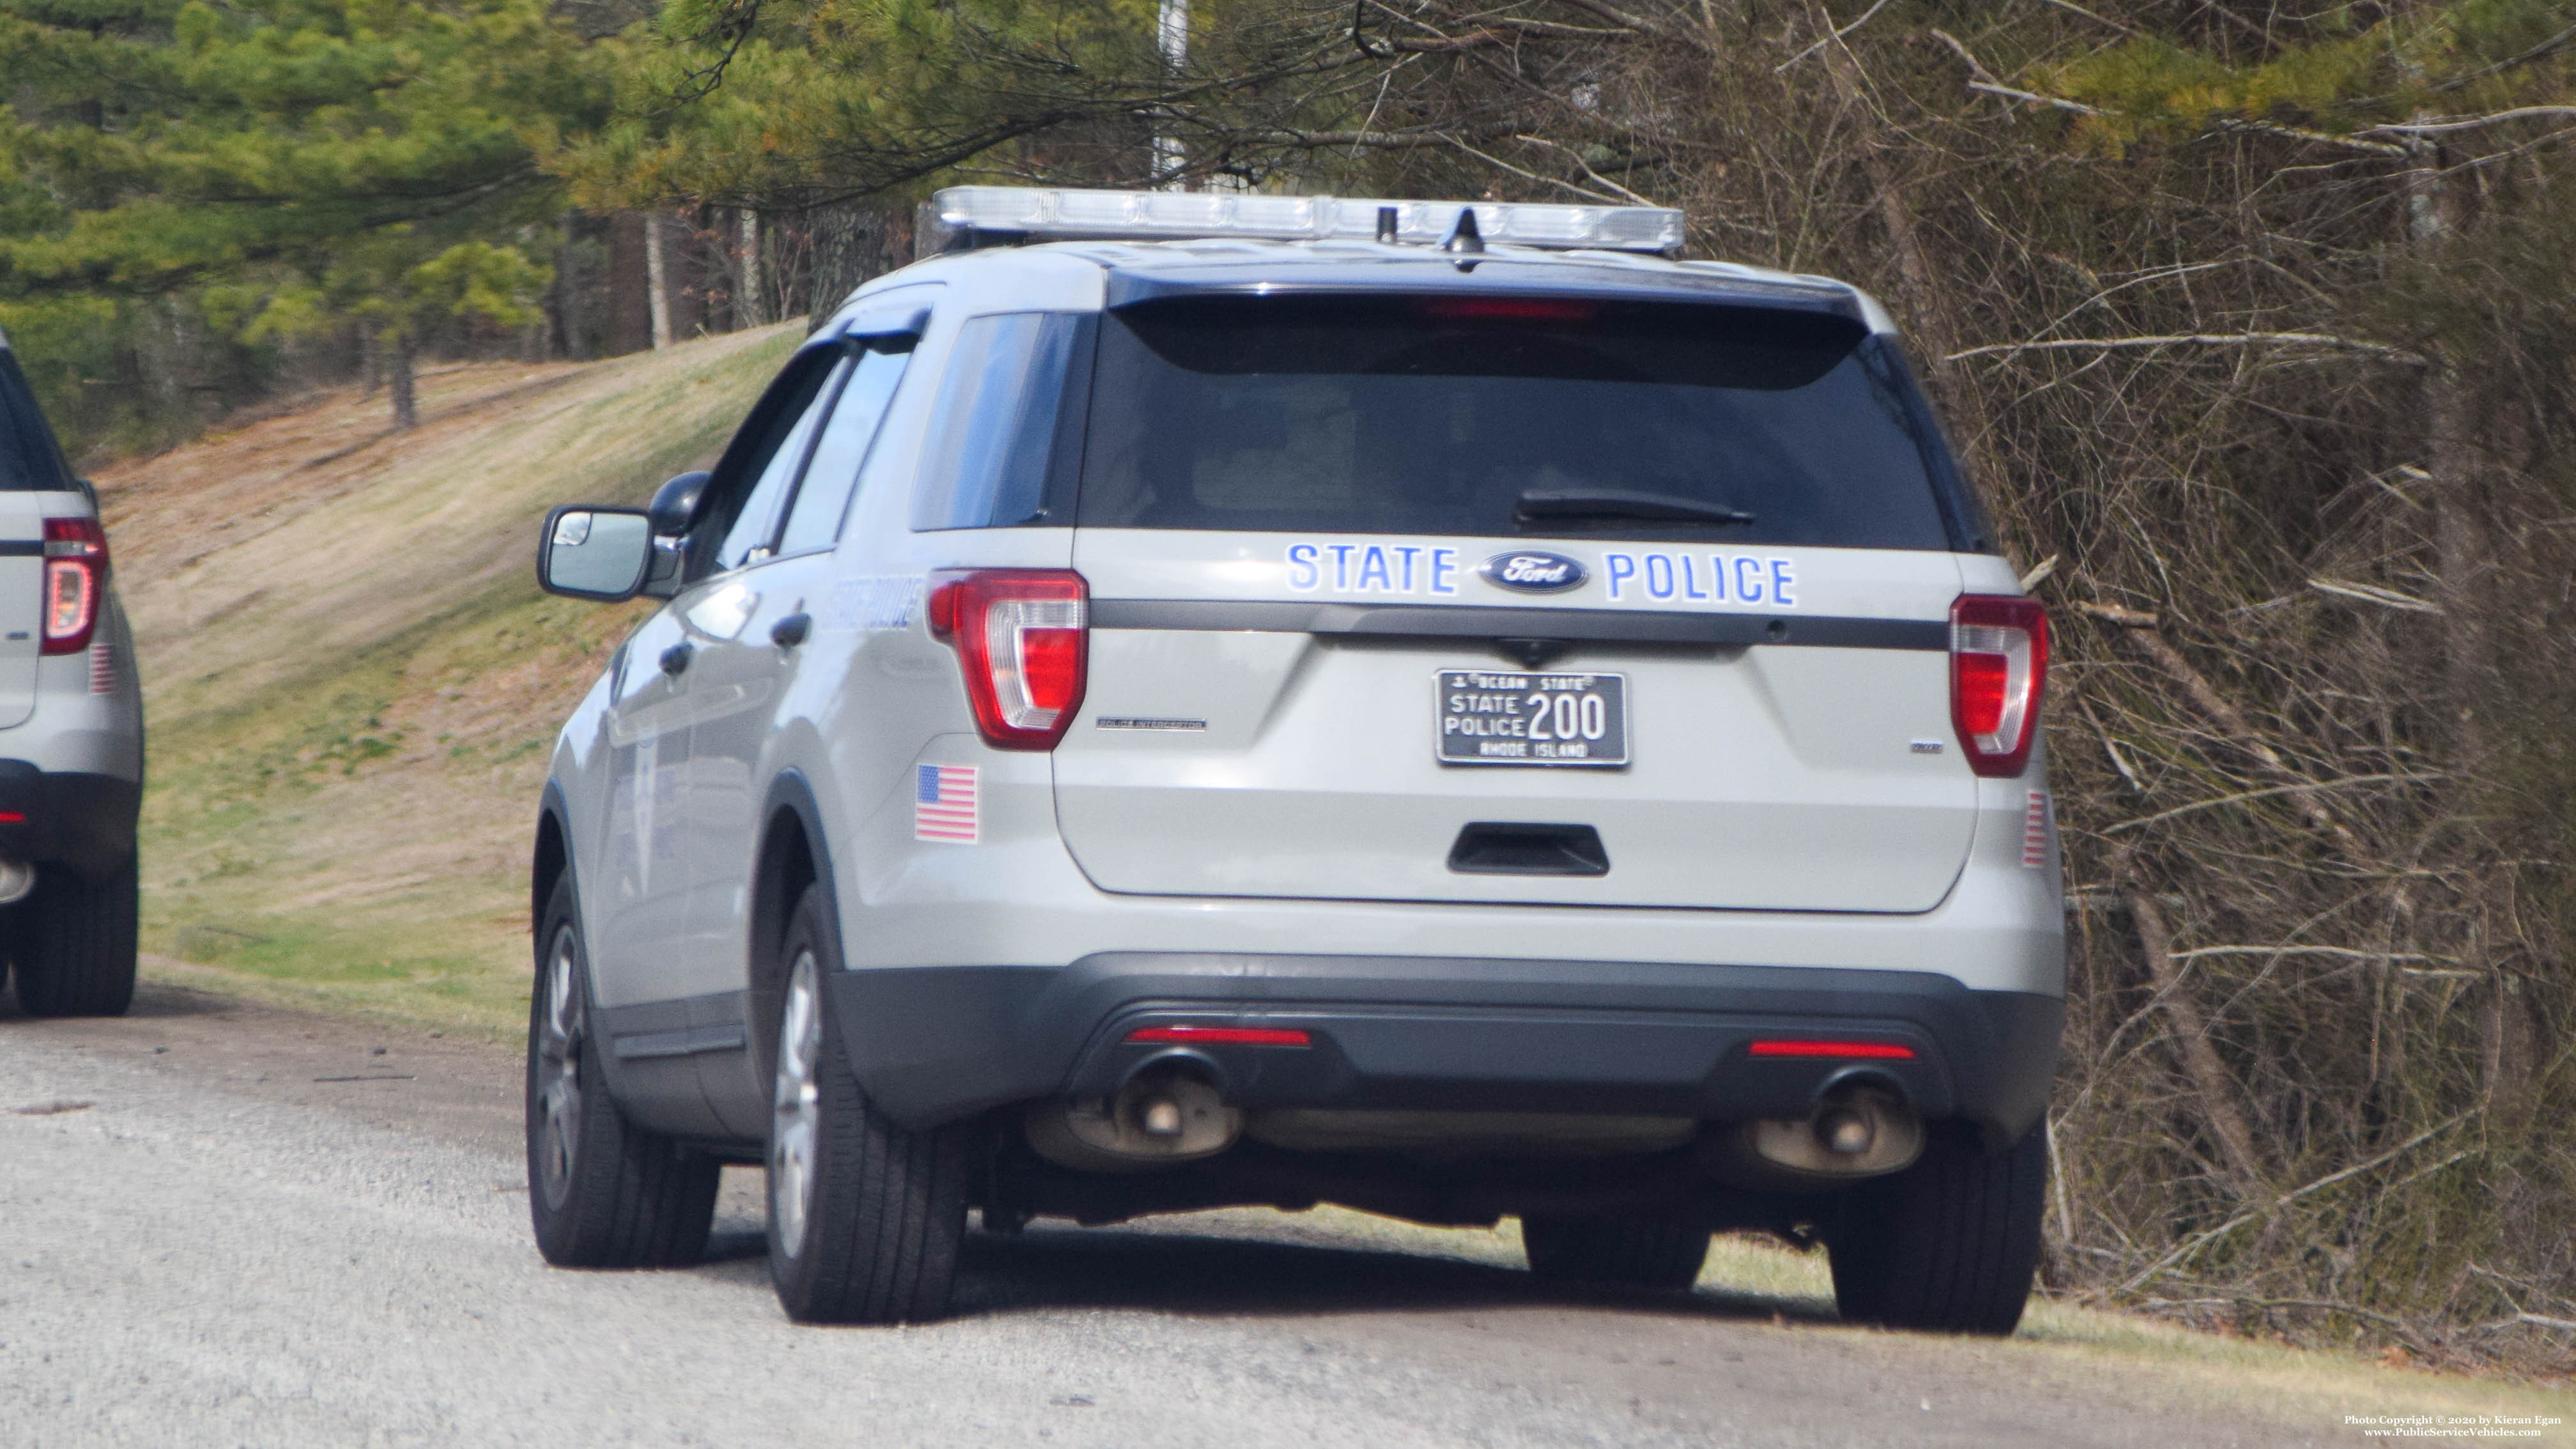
column 1137, row 271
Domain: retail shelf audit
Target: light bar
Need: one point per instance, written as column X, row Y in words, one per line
column 1055, row 214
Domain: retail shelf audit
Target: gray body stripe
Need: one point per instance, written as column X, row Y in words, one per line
column 1433, row 621
column 22, row 547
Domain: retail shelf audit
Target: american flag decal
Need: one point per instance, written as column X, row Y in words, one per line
column 943, row 804
column 2034, row 830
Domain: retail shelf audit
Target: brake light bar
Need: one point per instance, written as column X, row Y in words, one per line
column 1876, row 1051
column 1275, row 1036
column 1023, row 638
column 74, row 582
column 1998, row 669
column 1505, row 309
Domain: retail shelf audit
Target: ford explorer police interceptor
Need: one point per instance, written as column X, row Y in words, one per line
column 71, row 731
column 1187, row 700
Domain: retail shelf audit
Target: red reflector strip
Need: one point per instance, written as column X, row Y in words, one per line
column 1884, row 1051
column 1218, row 1036
column 12, row 817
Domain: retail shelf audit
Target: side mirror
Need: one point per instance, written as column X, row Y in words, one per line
column 594, row 553
column 678, row 504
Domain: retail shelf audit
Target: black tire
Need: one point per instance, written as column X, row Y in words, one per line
column 602, row 1192
column 1664, row 1253
column 1950, row 1244
column 866, row 1219
column 74, row 943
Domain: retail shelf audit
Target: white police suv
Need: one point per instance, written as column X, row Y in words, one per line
column 71, row 731
column 1189, row 700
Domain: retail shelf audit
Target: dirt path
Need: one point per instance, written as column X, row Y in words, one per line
column 261, row 1227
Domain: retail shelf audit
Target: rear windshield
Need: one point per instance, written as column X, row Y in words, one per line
column 1504, row 416
column 28, row 458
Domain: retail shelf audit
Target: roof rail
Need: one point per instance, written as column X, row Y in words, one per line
column 966, row 217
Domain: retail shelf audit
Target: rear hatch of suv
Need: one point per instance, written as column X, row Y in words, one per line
column 1496, row 595
column 30, row 465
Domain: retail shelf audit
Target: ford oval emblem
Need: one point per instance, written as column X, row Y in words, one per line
column 1534, row 573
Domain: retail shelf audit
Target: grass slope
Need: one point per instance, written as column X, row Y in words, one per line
column 352, row 680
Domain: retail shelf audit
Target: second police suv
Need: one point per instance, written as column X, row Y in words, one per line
column 1195, row 700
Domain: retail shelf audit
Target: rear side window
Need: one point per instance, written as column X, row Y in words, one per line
column 814, row 521
column 1003, row 442
column 762, row 461
column 1513, row 416
column 29, row 458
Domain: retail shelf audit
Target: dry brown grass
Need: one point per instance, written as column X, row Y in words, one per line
column 352, row 679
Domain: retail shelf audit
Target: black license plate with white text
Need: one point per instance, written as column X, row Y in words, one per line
column 1499, row 717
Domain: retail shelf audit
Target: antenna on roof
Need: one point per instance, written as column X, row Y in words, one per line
column 1463, row 241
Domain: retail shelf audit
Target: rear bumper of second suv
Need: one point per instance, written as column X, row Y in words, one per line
column 81, row 820
column 1437, row 1033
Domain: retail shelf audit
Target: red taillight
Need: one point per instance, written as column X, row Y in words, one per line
column 75, row 579
column 1880, row 1051
column 1219, row 1036
column 1024, row 639
column 1998, row 665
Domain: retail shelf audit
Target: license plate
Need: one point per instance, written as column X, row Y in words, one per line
column 1490, row 717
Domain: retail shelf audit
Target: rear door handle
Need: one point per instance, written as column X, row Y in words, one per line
column 675, row 660
column 789, row 632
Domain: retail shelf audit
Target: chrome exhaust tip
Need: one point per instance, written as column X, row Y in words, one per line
column 17, row 881
column 1166, row 1113
column 1858, row 1131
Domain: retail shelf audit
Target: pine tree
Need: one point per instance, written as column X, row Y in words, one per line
column 285, row 165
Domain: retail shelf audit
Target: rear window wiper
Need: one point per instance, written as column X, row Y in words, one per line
column 1568, row 505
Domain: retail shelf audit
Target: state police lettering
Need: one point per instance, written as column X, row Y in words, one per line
column 1716, row 578
column 1373, row 568
column 1646, row 576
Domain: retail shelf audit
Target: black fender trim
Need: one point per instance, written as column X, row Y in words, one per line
column 737, row 1082
column 656, row 1092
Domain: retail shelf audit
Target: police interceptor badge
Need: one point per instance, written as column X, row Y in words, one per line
column 1504, row 717
column 1530, row 571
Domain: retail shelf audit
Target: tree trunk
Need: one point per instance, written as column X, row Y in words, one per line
column 2436, row 209
column 2221, row 1102
column 630, row 309
column 1919, row 290
column 657, row 280
column 853, row 243
column 406, row 393
column 751, row 304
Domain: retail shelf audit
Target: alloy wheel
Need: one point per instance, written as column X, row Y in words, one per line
column 795, row 1119
column 559, row 1043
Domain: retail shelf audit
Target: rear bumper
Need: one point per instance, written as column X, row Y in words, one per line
column 83, row 821
column 1438, row 1033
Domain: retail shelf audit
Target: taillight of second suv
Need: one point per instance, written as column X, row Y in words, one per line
column 75, row 580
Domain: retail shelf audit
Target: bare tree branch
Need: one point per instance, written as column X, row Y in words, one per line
column 2443, row 128
column 2326, row 341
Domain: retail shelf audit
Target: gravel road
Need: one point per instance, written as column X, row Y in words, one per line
column 222, row 1224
